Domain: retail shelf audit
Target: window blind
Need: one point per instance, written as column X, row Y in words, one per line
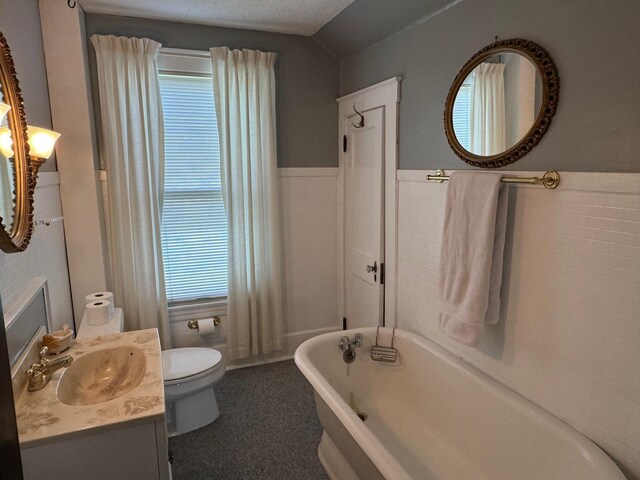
column 462, row 115
column 194, row 231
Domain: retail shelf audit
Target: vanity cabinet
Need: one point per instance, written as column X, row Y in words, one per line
column 128, row 452
column 102, row 417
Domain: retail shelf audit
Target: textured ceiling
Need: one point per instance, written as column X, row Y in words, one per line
column 302, row 17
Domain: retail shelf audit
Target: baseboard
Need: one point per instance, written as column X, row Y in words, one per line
column 293, row 341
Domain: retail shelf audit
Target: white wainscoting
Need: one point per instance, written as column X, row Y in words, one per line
column 45, row 257
column 308, row 200
column 569, row 332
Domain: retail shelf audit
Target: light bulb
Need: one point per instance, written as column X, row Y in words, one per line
column 41, row 141
column 4, row 109
column 6, row 143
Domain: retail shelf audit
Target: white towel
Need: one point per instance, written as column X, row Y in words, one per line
column 471, row 254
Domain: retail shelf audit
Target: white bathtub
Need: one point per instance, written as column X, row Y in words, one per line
column 433, row 416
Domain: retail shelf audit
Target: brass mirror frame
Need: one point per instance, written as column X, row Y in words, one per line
column 15, row 237
column 550, row 90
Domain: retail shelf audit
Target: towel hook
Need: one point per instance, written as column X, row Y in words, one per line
column 360, row 124
column 71, row 4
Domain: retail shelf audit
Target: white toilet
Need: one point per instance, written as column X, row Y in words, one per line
column 189, row 377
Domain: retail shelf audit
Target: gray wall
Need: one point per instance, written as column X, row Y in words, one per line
column 307, row 79
column 20, row 24
column 595, row 45
column 366, row 22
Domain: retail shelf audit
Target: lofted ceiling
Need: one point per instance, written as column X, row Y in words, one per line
column 301, row 17
column 366, row 22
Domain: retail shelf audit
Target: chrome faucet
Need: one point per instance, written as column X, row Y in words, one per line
column 349, row 348
column 40, row 373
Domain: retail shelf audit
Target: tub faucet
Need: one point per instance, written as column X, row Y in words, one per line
column 40, row 373
column 349, row 348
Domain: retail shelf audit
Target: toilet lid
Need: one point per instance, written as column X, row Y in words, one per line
column 185, row 362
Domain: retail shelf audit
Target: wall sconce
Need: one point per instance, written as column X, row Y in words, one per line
column 4, row 108
column 41, row 142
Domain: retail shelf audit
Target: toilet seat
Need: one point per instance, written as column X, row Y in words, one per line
column 184, row 364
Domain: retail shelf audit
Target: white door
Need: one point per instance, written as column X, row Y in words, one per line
column 364, row 220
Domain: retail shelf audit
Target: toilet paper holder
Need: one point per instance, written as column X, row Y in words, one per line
column 193, row 324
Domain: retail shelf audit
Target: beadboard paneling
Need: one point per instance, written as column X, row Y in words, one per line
column 309, row 233
column 45, row 257
column 569, row 332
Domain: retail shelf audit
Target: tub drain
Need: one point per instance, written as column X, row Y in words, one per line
column 361, row 415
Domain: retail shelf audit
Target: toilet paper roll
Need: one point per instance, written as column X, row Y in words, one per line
column 100, row 296
column 206, row 327
column 98, row 312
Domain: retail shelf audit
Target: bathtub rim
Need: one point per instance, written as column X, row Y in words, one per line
column 374, row 449
column 378, row 453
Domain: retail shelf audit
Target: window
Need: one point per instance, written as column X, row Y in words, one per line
column 194, row 232
column 462, row 114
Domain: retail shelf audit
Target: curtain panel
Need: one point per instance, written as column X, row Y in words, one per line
column 487, row 135
column 244, row 92
column 133, row 154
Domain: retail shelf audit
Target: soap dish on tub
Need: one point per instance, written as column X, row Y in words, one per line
column 381, row 353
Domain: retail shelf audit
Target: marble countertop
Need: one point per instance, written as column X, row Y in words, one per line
column 41, row 417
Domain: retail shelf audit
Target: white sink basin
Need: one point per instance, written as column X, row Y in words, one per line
column 102, row 375
column 113, row 380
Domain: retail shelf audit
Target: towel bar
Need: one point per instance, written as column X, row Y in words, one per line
column 550, row 179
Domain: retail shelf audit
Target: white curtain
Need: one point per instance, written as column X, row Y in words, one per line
column 133, row 153
column 487, row 135
column 244, row 92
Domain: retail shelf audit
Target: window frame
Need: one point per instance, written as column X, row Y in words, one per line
column 179, row 61
column 468, row 83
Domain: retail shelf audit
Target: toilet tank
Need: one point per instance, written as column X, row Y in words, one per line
column 115, row 325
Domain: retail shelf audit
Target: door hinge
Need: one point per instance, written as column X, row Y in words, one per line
column 344, row 323
column 344, row 143
column 382, row 274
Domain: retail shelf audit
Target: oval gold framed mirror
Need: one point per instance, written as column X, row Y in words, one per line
column 17, row 180
column 501, row 103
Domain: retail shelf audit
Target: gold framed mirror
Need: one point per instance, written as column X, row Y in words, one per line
column 501, row 103
column 17, row 177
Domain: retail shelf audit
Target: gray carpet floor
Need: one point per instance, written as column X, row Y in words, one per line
column 267, row 429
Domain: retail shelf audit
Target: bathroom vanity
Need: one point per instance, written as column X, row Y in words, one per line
column 100, row 418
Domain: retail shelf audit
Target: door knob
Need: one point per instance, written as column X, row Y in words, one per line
column 372, row 268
